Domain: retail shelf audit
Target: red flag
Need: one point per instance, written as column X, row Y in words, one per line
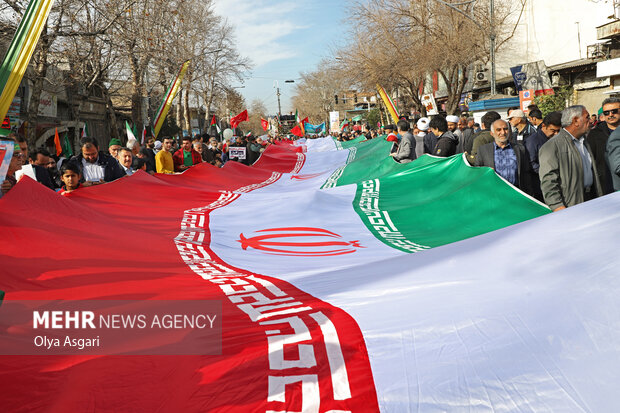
column 235, row 121
column 264, row 123
column 57, row 143
column 297, row 131
column 302, row 125
column 213, row 120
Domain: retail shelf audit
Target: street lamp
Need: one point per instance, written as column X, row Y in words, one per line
column 277, row 86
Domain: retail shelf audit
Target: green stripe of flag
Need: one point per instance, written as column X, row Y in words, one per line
column 20, row 51
column 420, row 205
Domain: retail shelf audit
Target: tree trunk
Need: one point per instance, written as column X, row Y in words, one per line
column 40, row 71
column 111, row 114
column 208, row 97
column 136, row 92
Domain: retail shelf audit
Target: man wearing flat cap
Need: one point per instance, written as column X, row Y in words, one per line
column 522, row 127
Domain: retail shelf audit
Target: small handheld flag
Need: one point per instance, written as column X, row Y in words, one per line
column 130, row 135
column 236, row 120
column 57, row 143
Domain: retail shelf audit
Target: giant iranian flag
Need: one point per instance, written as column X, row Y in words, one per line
column 348, row 283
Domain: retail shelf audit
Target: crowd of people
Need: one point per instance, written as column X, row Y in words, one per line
column 94, row 165
column 562, row 159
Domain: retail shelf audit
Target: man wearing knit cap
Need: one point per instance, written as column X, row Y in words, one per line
column 114, row 146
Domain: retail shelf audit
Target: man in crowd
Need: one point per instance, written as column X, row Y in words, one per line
column 125, row 159
column 391, row 136
column 44, row 159
column 253, row 150
column 509, row 160
column 549, row 127
column 613, row 157
column 483, row 137
column 465, row 135
column 453, row 123
column 198, row 146
column 134, row 147
column 114, row 146
column 97, row 167
column 41, row 160
column 521, row 127
column 597, row 139
column 568, row 174
column 406, row 148
column 147, row 155
column 535, row 117
column 446, row 141
column 430, row 139
column 16, row 163
column 164, row 163
column 185, row 157
column 471, row 122
column 419, row 134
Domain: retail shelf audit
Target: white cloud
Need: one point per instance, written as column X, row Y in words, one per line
column 262, row 27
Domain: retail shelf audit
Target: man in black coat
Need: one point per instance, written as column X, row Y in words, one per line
column 97, row 167
column 597, row 139
column 446, row 141
column 509, row 160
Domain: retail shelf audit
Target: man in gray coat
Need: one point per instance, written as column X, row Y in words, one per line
column 406, row 147
column 568, row 175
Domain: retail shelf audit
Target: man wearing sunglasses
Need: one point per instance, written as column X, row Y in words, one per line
column 597, row 139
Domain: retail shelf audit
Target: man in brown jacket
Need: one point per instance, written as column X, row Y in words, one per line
column 568, row 175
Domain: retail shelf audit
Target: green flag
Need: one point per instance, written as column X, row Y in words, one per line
column 67, row 150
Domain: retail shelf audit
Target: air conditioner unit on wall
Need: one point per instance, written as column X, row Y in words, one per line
column 481, row 77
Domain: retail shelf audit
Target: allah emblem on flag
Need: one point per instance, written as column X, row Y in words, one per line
column 299, row 241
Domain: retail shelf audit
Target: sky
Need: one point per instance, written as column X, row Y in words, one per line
column 283, row 38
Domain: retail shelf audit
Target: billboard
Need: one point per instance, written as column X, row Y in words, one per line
column 533, row 76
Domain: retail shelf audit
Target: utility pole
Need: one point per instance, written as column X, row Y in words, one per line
column 277, row 86
column 579, row 38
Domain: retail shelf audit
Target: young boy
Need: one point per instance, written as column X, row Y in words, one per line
column 70, row 175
